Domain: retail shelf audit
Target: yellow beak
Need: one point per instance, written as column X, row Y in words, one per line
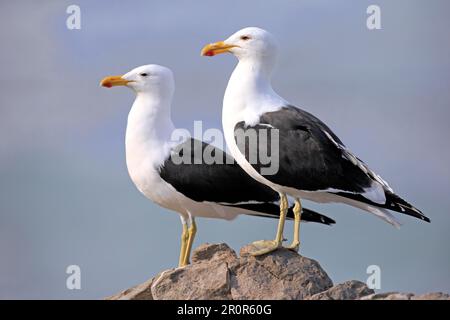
column 216, row 48
column 114, row 81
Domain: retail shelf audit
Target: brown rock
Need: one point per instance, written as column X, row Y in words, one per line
column 349, row 290
column 139, row 292
column 217, row 273
column 432, row 296
column 407, row 296
column 202, row 281
column 388, row 296
column 213, row 252
column 282, row 274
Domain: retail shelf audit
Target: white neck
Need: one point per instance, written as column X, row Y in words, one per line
column 149, row 129
column 249, row 92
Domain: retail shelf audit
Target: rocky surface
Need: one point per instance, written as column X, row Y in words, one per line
column 217, row 272
column 349, row 290
column 407, row 296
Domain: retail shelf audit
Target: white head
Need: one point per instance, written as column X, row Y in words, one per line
column 149, row 79
column 252, row 43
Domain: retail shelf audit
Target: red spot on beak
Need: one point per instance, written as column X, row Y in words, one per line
column 209, row 53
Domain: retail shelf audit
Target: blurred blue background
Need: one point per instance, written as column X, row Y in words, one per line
column 65, row 195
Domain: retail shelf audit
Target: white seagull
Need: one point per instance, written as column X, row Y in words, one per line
column 314, row 164
column 190, row 187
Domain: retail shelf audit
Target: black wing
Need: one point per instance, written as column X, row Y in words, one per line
column 222, row 181
column 308, row 159
column 311, row 158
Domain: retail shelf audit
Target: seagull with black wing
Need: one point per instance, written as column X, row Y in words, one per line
column 314, row 164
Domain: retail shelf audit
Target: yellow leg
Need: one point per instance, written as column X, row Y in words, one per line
column 266, row 246
column 190, row 241
column 297, row 218
column 184, row 239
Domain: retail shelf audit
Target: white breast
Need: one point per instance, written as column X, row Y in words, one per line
column 145, row 176
column 148, row 145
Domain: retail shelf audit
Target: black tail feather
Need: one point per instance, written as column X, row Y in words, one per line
column 271, row 210
column 393, row 202
column 312, row 216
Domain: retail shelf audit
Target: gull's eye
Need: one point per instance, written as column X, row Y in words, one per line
column 245, row 38
column 144, row 74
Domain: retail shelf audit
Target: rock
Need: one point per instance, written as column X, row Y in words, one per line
column 213, row 252
column 407, row 296
column 432, row 296
column 282, row 274
column 349, row 290
column 217, row 273
column 140, row 292
column 388, row 296
column 204, row 281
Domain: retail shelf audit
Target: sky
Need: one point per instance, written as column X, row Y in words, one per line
column 65, row 195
